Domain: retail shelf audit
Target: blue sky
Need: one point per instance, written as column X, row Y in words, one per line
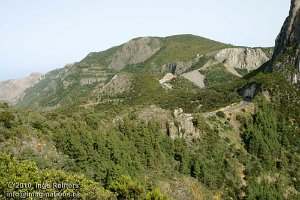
column 41, row 35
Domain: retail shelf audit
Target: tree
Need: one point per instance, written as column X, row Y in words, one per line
column 155, row 194
column 7, row 118
column 220, row 114
column 126, row 188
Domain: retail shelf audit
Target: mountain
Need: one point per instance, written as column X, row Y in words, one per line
column 13, row 90
column 286, row 57
column 93, row 78
column 158, row 118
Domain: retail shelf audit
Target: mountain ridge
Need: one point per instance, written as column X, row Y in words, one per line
column 174, row 54
column 138, row 128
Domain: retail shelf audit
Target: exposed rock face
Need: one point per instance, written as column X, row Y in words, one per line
column 13, row 90
column 195, row 77
column 168, row 77
column 249, row 91
column 242, row 58
column 288, row 44
column 185, row 128
column 231, row 58
column 154, row 113
column 134, row 52
column 181, row 126
column 165, row 81
column 289, row 35
column 117, row 85
column 178, row 67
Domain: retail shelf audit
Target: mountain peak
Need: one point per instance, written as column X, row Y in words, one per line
column 286, row 55
column 289, row 35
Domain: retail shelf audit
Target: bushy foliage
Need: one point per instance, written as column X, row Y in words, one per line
column 124, row 157
column 221, row 114
column 271, row 137
column 183, row 48
column 63, row 87
column 217, row 75
column 27, row 173
column 130, row 148
column 126, row 188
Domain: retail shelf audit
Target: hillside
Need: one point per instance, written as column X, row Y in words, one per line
column 158, row 118
column 243, row 153
column 86, row 82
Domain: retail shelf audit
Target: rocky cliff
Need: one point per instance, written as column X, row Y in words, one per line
column 286, row 55
column 242, row 58
column 12, row 90
column 179, row 126
column 134, row 52
column 232, row 58
column 249, row 91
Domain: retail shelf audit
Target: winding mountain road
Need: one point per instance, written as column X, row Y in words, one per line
column 242, row 105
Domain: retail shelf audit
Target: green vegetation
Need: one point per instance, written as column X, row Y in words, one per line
column 271, row 136
column 111, row 156
column 217, row 75
column 63, row 87
column 183, row 48
column 130, row 158
column 104, row 145
column 180, row 83
column 242, row 72
column 25, row 176
column 146, row 90
column 76, row 83
column 98, row 59
column 221, row 114
column 202, row 61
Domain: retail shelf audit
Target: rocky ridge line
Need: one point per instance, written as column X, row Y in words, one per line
column 287, row 47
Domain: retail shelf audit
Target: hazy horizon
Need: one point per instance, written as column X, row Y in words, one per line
column 39, row 36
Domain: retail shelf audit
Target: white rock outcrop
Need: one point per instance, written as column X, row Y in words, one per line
column 185, row 126
column 242, row 58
